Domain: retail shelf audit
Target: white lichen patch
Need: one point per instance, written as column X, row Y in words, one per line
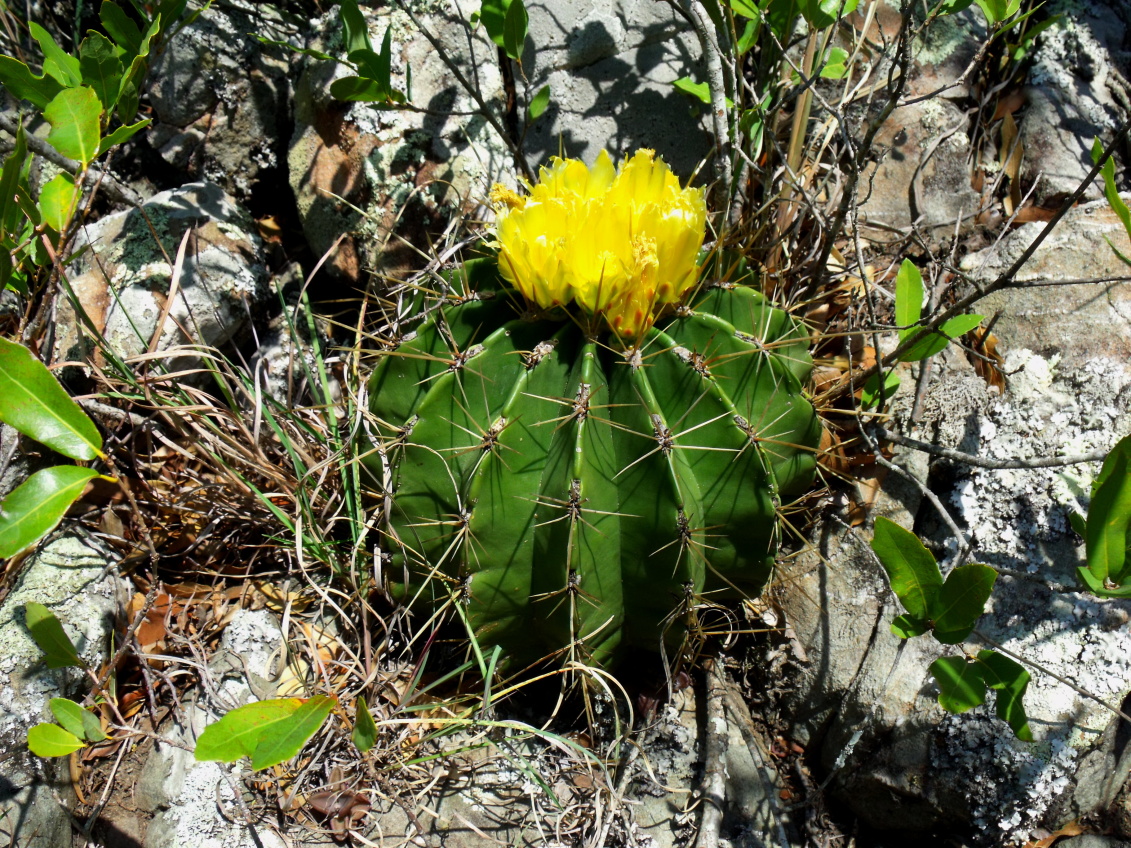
column 1017, row 522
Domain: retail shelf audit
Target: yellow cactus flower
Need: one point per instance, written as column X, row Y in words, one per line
column 620, row 244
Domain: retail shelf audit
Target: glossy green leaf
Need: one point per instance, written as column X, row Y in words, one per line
column 92, row 727
column 961, row 685
column 267, row 731
column 36, row 506
column 951, row 7
column 47, row 632
column 1109, row 519
column 288, row 736
column 961, row 602
column 364, row 728
column 23, row 84
column 870, row 394
column 937, row 340
column 57, row 62
column 101, row 68
column 1097, row 587
column 911, row 568
column 122, row 134
column 538, row 104
column 1078, row 523
column 58, row 200
column 748, row 9
column 748, row 37
column 1010, row 680
column 824, row 13
column 120, row 26
column 1111, row 192
column 50, row 740
column 32, row 401
column 908, row 295
column 835, row 66
column 74, row 116
column 493, row 15
column 134, row 77
column 68, row 714
column 907, row 626
column 516, row 24
column 304, row 51
column 699, row 90
column 238, row 733
column 363, row 90
column 997, row 11
column 356, row 34
column 11, row 216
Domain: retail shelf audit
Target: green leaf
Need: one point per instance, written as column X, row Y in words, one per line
column 32, row 401
column 74, row 116
column 516, row 24
column 907, row 627
column 870, row 393
column 101, row 68
column 47, row 632
column 824, row 13
column 538, row 104
column 699, row 90
column 997, row 11
column 1097, row 587
column 11, row 215
column 122, row 134
column 961, row 685
column 50, row 740
column 134, row 76
column 120, row 26
column 36, row 506
column 936, row 340
column 287, row 737
column 493, row 15
column 748, row 38
column 908, row 295
column 961, row 602
column 68, row 714
column 23, row 84
column 1109, row 518
column 267, row 731
column 305, row 51
column 1078, row 523
column 356, row 30
column 912, row 571
column 238, row 733
column 951, row 7
column 56, row 61
column 58, row 201
column 92, row 727
column 748, row 9
column 1010, row 679
column 835, row 66
column 364, row 728
column 1111, row 192
column 363, row 90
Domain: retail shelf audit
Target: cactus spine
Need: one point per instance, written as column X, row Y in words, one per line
column 578, row 498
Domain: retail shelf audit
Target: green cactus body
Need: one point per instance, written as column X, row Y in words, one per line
column 579, row 498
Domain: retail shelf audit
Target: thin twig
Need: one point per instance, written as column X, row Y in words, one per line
column 984, row 462
column 715, row 770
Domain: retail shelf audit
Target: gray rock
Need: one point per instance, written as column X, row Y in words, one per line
column 922, row 177
column 1076, row 321
column 222, row 99
column 122, row 283
column 1093, row 841
column 866, row 702
column 408, row 172
column 1071, row 100
column 184, row 794
column 70, row 577
column 610, row 68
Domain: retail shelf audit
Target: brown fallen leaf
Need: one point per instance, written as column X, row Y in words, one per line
column 1070, row 829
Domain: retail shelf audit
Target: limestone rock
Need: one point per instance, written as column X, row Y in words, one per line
column 222, row 99
column 69, row 576
column 1073, row 321
column 123, row 281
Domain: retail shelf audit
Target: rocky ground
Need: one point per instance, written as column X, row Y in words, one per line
column 822, row 727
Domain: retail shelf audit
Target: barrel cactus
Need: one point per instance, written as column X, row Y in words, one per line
column 580, row 439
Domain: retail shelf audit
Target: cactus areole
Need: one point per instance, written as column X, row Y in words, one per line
column 580, row 440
